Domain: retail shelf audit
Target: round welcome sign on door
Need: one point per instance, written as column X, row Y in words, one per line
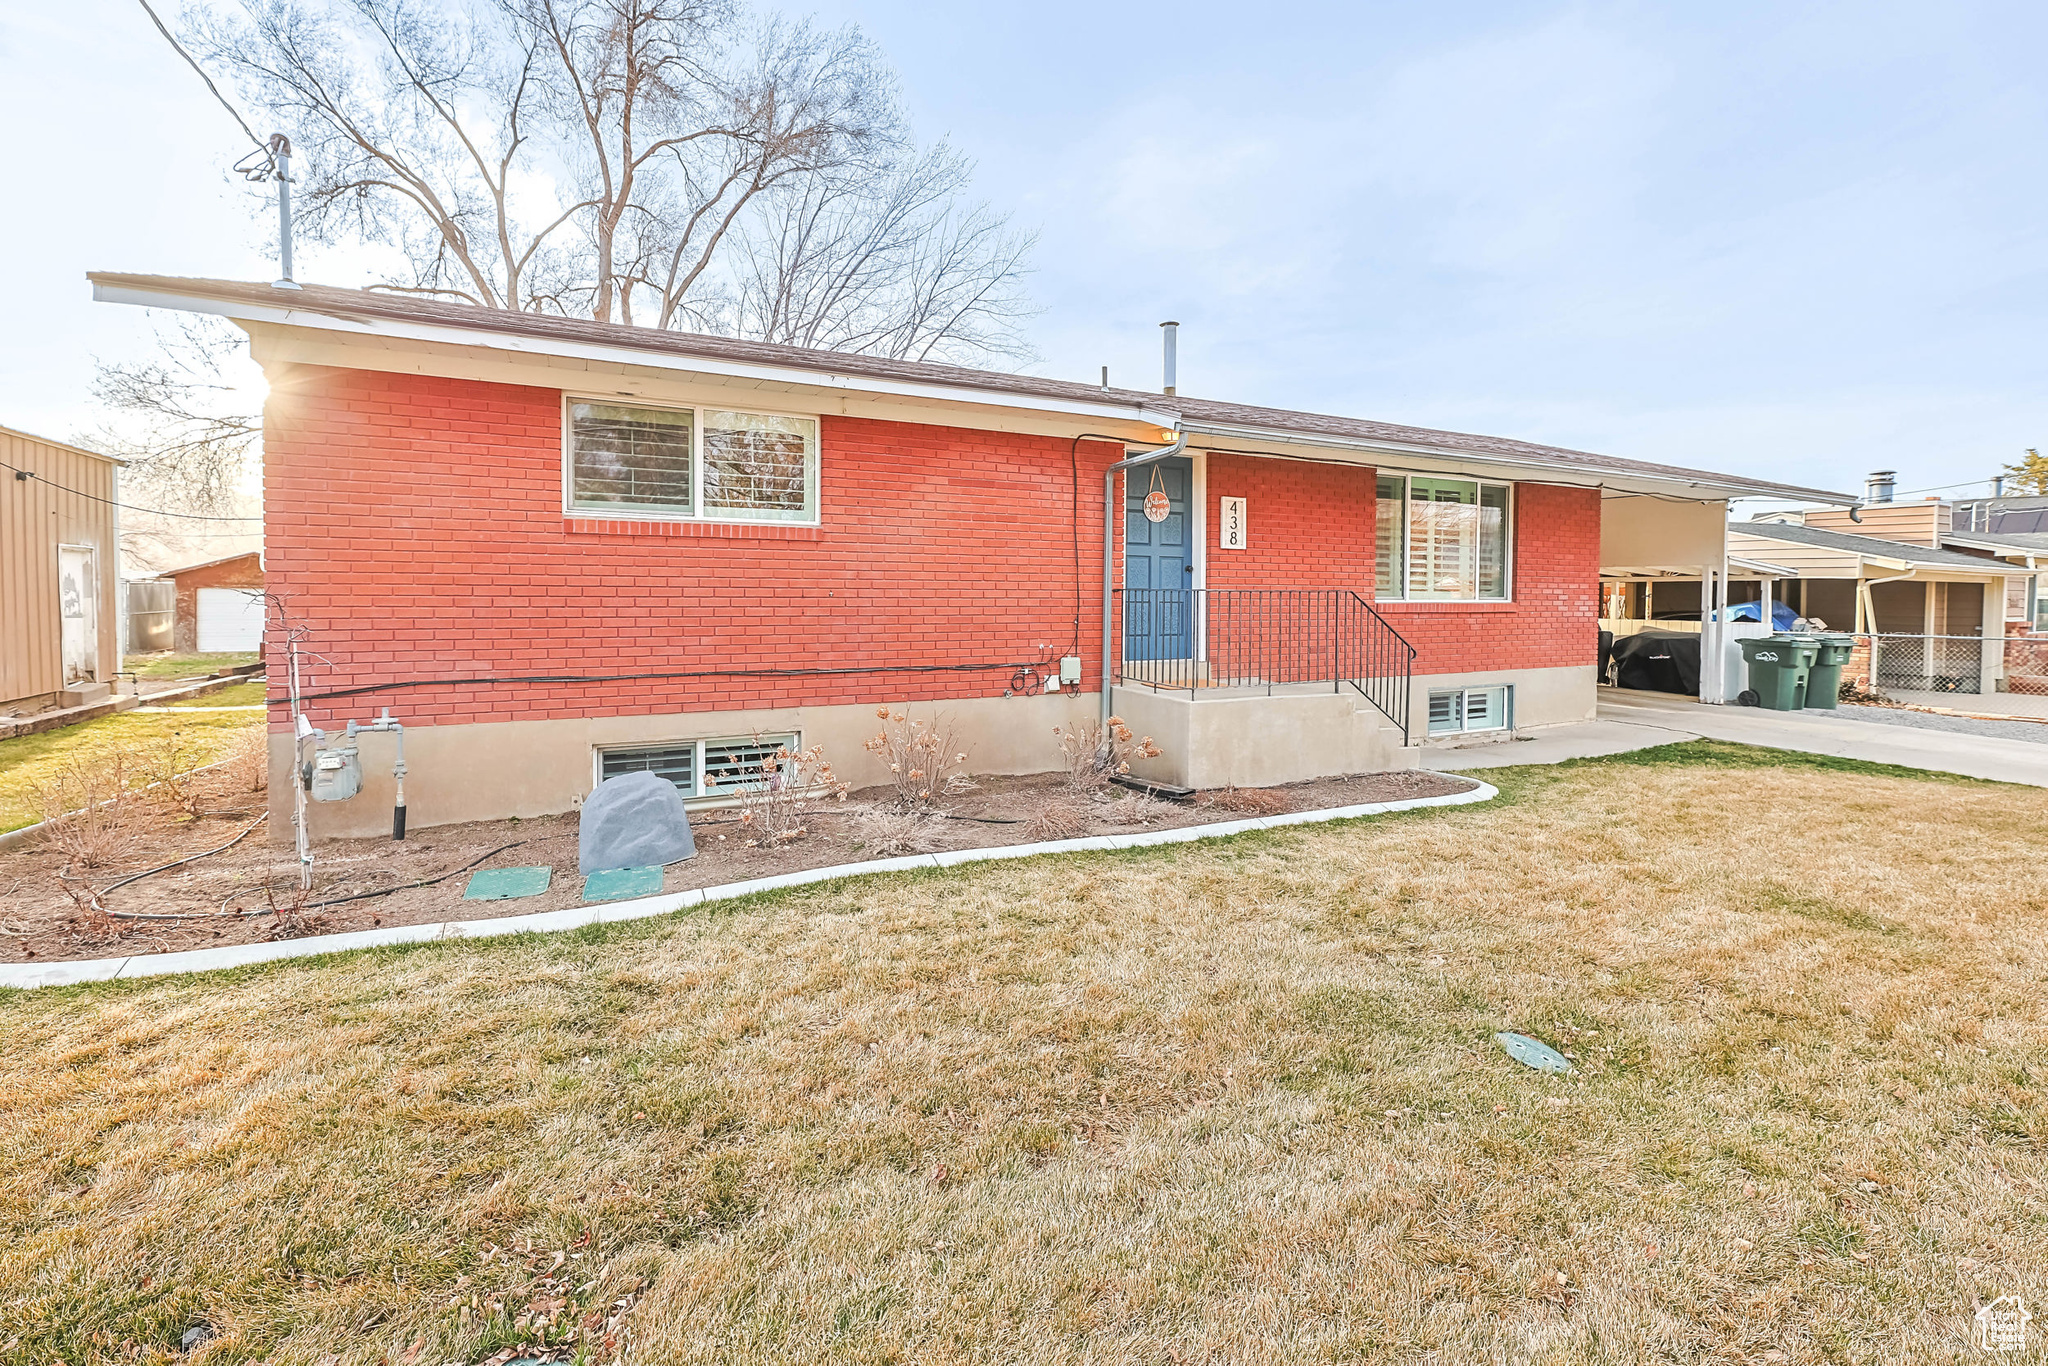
column 1157, row 506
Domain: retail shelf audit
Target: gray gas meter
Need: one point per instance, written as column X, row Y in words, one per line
column 337, row 773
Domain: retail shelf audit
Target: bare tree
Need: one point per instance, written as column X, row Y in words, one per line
column 191, row 436
column 892, row 265
column 626, row 160
column 184, row 428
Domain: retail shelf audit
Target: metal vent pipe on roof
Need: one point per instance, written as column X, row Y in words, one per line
column 1172, row 335
column 281, row 158
column 1878, row 487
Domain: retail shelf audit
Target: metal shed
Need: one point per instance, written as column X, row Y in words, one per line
column 59, row 618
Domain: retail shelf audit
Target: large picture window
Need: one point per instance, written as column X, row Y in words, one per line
column 1441, row 539
column 706, row 463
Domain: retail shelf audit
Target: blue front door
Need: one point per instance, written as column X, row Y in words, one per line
column 1159, row 562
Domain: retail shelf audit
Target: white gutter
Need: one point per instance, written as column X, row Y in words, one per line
column 1586, row 478
column 285, row 314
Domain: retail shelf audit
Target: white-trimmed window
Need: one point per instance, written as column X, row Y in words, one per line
column 713, row 464
column 698, row 768
column 1453, row 711
column 1441, row 540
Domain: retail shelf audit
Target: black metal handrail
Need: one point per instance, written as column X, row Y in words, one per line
column 1187, row 639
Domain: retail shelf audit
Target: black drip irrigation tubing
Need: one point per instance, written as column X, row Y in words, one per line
column 408, row 886
column 403, row 886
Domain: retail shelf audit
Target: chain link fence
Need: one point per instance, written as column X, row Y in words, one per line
column 1937, row 664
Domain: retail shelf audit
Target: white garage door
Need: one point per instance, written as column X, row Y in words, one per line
column 230, row 619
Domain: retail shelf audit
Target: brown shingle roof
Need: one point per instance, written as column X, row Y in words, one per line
column 371, row 307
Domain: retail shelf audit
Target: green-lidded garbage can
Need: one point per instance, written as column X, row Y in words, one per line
column 1777, row 670
column 1824, row 679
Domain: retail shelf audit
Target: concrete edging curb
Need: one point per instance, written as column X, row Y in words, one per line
column 26, row 976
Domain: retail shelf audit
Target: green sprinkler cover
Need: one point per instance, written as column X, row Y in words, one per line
column 615, row 883
column 1533, row 1053
column 504, row 884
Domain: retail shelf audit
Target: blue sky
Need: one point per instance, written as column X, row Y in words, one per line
column 1802, row 241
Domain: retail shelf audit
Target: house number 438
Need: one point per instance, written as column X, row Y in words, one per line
column 1231, row 524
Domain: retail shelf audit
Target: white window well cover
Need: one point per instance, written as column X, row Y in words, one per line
column 1456, row 710
column 677, row 763
column 698, row 768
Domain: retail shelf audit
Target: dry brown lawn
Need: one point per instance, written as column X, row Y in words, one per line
column 1235, row 1102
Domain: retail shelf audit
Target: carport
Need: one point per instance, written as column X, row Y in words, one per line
column 1667, row 566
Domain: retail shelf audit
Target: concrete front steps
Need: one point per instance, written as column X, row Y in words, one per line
column 1238, row 739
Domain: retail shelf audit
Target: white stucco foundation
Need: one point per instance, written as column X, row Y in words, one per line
column 493, row 770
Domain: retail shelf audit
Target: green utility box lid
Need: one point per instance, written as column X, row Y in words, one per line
column 612, row 884
column 507, row 884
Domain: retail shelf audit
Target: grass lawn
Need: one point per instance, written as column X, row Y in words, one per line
column 1223, row 1103
column 182, row 666
column 234, row 695
column 202, row 737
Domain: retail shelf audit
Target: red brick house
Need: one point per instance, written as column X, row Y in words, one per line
column 558, row 549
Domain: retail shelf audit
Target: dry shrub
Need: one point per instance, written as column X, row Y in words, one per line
column 247, row 762
column 887, row 832
column 1093, row 752
column 1061, row 818
column 772, row 801
column 165, row 765
column 1247, row 801
column 287, row 900
column 89, row 804
column 924, row 759
column 1133, row 808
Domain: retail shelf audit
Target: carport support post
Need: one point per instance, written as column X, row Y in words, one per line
column 1713, row 607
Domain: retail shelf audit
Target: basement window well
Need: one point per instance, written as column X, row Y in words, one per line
column 689, row 464
column 1456, row 711
column 698, row 768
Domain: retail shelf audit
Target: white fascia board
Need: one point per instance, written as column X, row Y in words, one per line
column 1750, row 566
column 1576, row 476
column 626, row 355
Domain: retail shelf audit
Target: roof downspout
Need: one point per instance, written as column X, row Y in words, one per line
column 1866, row 610
column 1180, row 443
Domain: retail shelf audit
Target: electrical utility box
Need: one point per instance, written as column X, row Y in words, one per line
column 337, row 773
column 1070, row 671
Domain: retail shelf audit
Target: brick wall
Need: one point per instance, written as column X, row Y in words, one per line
column 244, row 571
column 415, row 525
column 1311, row 526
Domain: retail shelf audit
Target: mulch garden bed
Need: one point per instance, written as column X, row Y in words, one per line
column 249, row 893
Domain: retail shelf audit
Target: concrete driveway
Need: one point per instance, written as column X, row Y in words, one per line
column 1638, row 720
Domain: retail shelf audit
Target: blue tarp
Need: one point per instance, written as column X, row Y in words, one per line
column 1782, row 617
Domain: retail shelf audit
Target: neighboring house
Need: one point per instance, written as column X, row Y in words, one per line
column 2005, row 514
column 1939, row 615
column 2025, row 605
column 559, row 549
column 219, row 605
column 59, row 626
column 1978, row 530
